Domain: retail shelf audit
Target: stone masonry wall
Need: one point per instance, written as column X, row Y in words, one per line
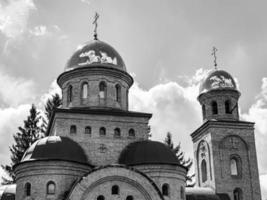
column 39, row 173
column 101, row 150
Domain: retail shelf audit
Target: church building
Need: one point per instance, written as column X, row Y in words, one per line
column 99, row 150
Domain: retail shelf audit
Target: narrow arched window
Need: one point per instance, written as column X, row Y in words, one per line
column 204, row 111
column 50, row 188
column 27, row 189
column 117, row 132
column 69, row 95
column 85, row 90
column 131, row 133
column 73, row 129
column 102, row 131
column 118, row 93
column 165, row 189
column 100, row 197
column 115, row 190
column 87, row 130
column 227, row 105
column 102, row 90
column 182, row 193
column 214, row 107
column 204, row 171
column 238, row 195
column 130, row 197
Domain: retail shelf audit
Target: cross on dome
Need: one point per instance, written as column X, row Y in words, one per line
column 95, row 23
column 214, row 50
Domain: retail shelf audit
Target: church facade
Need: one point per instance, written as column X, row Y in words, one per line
column 99, row 150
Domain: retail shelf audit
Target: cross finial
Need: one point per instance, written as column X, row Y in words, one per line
column 95, row 23
column 214, row 50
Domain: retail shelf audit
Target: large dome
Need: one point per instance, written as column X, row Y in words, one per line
column 217, row 79
column 55, row 148
column 147, row 152
column 95, row 53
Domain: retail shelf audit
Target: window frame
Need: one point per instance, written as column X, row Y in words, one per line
column 27, row 189
column 115, row 190
column 100, row 130
column 48, row 190
column 165, row 189
column 73, row 129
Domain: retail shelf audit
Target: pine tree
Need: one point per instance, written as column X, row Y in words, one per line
column 26, row 135
column 51, row 104
column 54, row 102
column 180, row 155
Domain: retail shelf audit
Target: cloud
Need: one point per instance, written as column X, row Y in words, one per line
column 53, row 89
column 15, row 90
column 14, row 16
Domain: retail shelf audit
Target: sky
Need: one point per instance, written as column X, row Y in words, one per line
column 166, row 46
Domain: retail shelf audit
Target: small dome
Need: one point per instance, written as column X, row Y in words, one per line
column 95, row 53
column 217, row 79
column 147, row 152
column 55, row 147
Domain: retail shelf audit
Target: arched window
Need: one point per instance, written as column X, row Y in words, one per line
column 102, row 90
column 130, row 197
column 100, row 197
column 117, row 132
column 227, row 105
column 235, row 166
column 87, row 130
column 204, row 171
column 115, row 190
column 204, row 111
column 214, row 107
column 238, row 195
column 73, row 129
column 102, row 131
column 85, row 90
column 27, row 189
column 131, row 133
column 69, row 95
column 182, row 193
column 50, row 188
column 165, row 189
column 118, row 93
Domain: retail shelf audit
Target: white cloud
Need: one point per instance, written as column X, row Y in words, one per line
column 39, row 30
column 53, row 89
column 15, row 90
column 14, row 16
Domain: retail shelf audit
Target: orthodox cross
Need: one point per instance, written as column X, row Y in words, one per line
column 214, row 50
column 102, row 148
column 95, row 23
column 234, row 143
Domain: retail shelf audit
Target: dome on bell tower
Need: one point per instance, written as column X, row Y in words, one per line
column 95, row 53
column 218, row 96
column 216, row 80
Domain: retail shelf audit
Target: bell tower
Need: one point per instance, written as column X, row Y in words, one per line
column 224, row 146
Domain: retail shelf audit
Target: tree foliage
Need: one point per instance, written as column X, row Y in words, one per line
column 181, row 157
column 26, row 135
column 54, row 102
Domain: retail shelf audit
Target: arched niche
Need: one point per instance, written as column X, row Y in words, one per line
column 234, row 157
column 203, row 162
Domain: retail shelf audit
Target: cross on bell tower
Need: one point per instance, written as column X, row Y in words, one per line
column 95, row 23
column 214, row 50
